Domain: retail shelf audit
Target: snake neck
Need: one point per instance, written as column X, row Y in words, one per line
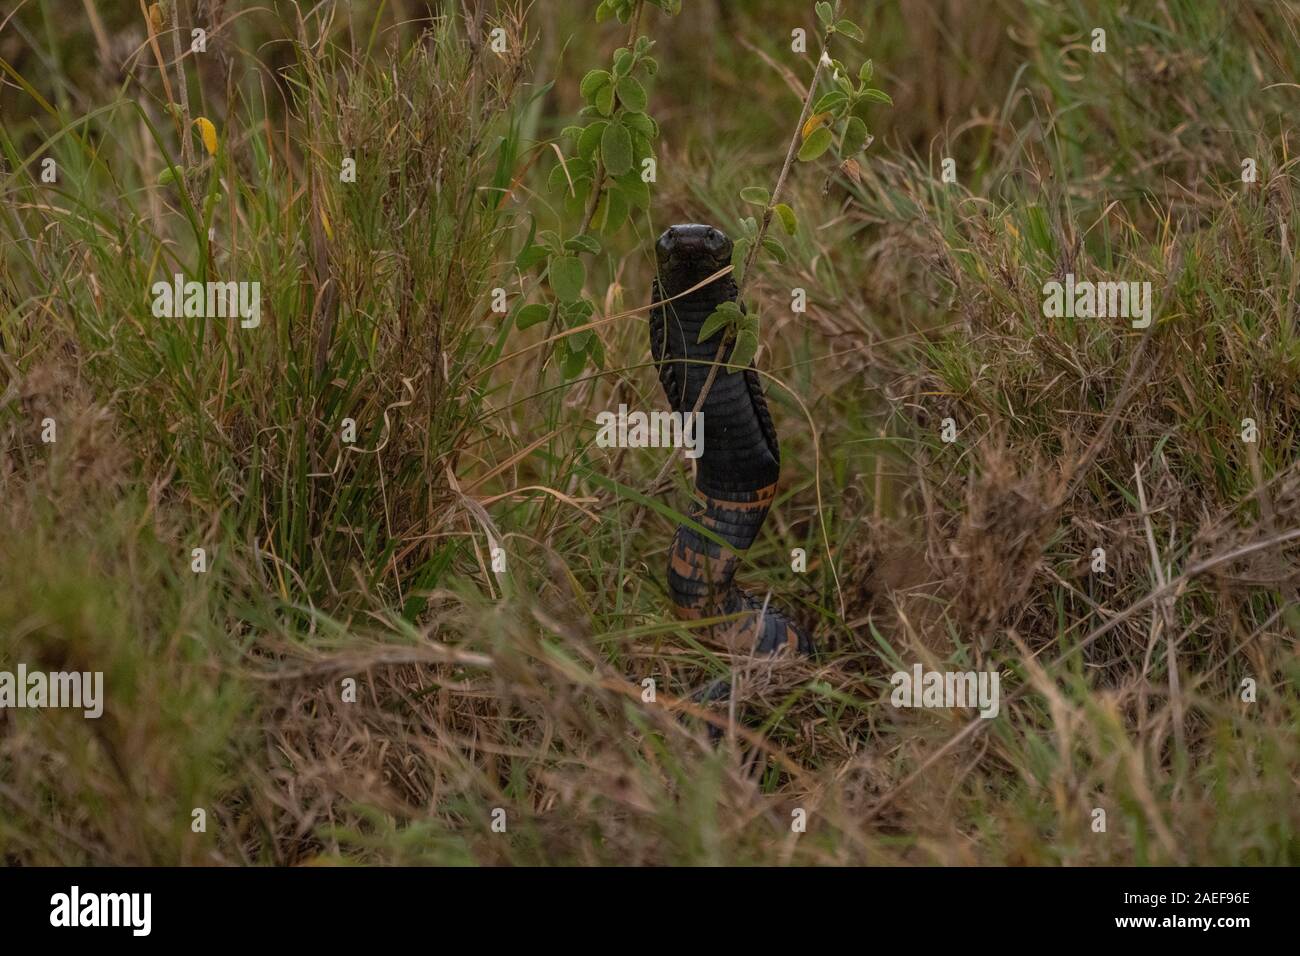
column 737, row 472
column 740, row 457
column 670, row 284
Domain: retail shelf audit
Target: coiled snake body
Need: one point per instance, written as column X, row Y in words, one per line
column 741, row 461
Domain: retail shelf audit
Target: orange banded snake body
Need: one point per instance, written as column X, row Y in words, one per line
column 737, row 472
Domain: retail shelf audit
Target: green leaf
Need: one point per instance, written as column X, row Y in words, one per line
column 577, row 314
column 529, row 256
column 636, row 192
column 622, row 62
column 865, row 71
column 590, row 139
column 641, row 147
column 716, row 320
column 578, row 341
column 583, row 243
column 756, row 195
column 745, row 349
column 738, row 253
column 611, row 211
column 639, row 123
column 604, row 101
column 566, row 277
column 593, row 82
column 557, row 181
column 575, row 206
column 855, row 137
column 880, row 96
column 574, row 363
column 749, row 225
column 850, row 30
column 616, row 149
column 788, row 221
column 727, row 313
column 815, row 144
column 550, row 239
column 830, row 101
column 773, row 246
column 530, row 315
column 825, row 13
column 631, row 94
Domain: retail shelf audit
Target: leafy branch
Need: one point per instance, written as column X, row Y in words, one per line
column 833, row 119
column 606, row 177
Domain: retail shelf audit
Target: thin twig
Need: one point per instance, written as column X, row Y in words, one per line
column 182, row 84
column 790, row 153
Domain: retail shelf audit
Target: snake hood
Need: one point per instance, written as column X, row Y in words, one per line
column 689, row 253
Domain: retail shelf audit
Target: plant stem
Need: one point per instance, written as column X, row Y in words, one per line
column 795, row 140
column 182, row 85
column 790, row 153
column 598, row 182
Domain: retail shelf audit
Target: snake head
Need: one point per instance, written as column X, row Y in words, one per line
column 689, row 252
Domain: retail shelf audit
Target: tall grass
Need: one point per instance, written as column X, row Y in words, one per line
column 521, row 691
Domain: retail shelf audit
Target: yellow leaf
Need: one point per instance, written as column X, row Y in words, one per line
column 325, row 221
column 813, row 122
column 156, row 19
column 208, row 133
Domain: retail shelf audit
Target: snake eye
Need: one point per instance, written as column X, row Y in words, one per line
column 718, row 245
column 667, row 241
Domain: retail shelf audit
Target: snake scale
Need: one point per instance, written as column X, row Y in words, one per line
column 736, row 476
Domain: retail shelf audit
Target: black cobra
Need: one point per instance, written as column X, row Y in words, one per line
column 738, row 470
